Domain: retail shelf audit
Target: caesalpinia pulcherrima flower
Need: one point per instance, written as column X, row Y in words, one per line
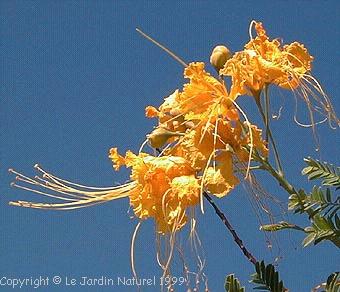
column 264, row 62
column 165, row 187
column 202, row 124
column 203, row 98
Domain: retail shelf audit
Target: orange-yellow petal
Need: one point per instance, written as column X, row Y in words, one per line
column 117, row 159
column 151, row 112
column 186, row 190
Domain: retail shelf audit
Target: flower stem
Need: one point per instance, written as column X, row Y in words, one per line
column 265, row 165
column 265, row 118
column 267, row 109
column 226, row 222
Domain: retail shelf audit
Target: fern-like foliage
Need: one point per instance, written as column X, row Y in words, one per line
column 321, row 205
column 316, row 169
column 232, row 284
column 267, row 278
column 322, row 211
column 323, row 228
column 319, row 201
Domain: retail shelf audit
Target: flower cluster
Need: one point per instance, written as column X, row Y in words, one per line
column 200, row 138
column 203, row 137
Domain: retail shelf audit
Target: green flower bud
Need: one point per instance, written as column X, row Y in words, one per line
column 159, row 136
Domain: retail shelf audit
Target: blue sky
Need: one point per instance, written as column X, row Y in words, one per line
column 75, row 80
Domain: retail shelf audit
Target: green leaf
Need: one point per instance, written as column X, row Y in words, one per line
column 267, row 278
column 321, row 223
column 321, row 209
column 232, row 284
column 333, row 282
column 316, row 169
column 308, row 239
column 307, row 170
column 279, row 226
column 316, row 173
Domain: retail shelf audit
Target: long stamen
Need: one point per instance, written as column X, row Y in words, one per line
column 132, row 251
column 250, row 135
column 212, row 154
column 250, row 28
column 65, row 191
column 39, row 168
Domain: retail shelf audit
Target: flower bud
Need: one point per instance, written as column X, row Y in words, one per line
column 219, row 56
column 160, row 136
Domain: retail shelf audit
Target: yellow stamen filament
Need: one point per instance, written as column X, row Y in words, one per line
column 252, row 23
column 203, row 179
column 75, row 195
column 132, row 251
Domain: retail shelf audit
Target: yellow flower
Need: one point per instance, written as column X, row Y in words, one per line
column 161, row 188
column 220, row 179
column 263, row 61
column 203, row 98
column 211, row 150
column 165, row 187
column 298, row 58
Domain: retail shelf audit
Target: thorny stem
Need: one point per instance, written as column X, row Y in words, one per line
column 226, row 222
